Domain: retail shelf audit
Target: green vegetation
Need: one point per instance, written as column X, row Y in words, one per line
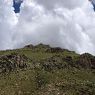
column 42, row 70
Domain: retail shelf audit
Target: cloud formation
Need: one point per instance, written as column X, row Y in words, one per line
column 68, row 24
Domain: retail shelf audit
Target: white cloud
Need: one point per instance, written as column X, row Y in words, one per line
column 66, row 23
column 7, row 21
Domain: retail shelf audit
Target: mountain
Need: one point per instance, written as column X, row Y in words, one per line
column 45, row 70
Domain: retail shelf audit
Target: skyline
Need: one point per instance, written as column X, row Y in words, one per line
column 64, row 24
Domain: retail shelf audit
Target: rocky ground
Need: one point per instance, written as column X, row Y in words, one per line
column 44, row 70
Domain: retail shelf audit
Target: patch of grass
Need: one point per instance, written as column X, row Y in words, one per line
column 61, row 78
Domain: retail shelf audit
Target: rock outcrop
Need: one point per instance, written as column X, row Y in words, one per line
column 12, row 62
column 86, row 61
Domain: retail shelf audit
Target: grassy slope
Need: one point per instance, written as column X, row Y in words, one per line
column 38, row 81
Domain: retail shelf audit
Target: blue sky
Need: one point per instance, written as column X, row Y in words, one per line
column 16, row 6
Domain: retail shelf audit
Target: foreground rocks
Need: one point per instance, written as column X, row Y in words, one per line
column 12, row 62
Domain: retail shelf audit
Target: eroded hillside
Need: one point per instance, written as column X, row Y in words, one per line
column 44, row 70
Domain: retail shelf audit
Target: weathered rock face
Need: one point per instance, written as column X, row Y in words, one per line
column 57, row 62
column 42, row 46
column 86, row 61
column 54, row 50
column 45, row 48
column 13, row 61
column 29, row 46
column 37, row 46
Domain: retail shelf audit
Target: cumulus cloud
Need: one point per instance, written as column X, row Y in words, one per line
column 70, row 4
column 60, row 23
column 7, row 17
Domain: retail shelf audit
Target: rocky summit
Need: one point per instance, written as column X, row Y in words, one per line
column 45, row 70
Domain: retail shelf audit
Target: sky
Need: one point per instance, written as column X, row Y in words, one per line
column 68, row 24
column 16, row 5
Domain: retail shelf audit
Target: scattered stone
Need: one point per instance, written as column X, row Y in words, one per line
column 13, row 61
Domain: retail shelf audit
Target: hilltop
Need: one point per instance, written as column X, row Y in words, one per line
column 45, row 70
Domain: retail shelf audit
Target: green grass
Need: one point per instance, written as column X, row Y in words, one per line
column 38, row 81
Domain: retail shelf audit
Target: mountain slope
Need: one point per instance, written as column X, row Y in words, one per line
column 44, row 70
